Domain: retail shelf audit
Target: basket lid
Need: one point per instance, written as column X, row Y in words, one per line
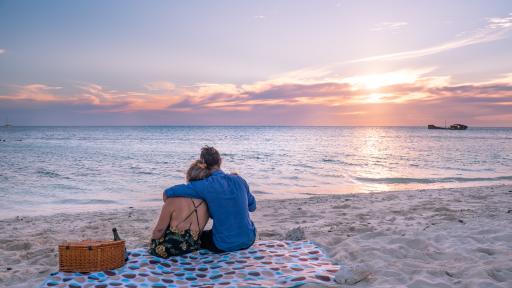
column 89, row 242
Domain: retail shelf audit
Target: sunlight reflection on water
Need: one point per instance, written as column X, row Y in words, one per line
column 57, row 169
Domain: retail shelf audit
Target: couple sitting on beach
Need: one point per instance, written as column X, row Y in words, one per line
column 209, row 192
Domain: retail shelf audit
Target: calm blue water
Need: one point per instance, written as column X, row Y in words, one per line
column 61, row 169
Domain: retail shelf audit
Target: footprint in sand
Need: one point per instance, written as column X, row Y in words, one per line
column 499, row 275
column 17, row 246
column 487, row 251
column 269, row 234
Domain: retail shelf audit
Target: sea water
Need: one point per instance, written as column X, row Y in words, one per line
column 65, row 169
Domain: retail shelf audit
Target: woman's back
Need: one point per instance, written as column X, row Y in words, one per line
column 179, row 227
column 185, row 215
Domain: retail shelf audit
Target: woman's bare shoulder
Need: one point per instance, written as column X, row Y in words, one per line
column 182, row 202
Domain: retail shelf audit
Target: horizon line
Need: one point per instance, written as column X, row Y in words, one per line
column 255, row 125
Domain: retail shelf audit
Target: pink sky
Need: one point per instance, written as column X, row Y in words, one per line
column 385, row 74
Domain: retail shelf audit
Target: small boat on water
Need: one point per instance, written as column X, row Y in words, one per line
column 7, row 125
column 452, row 127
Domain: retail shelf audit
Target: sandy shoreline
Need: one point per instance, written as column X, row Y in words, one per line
column 424, row 238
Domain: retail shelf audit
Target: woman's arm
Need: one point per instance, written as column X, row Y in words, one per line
column 163, row 220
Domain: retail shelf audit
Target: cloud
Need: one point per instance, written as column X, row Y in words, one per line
column 495, row 29
column 398, row 86
column 125, row 101
column 34, row 92
column 496, row 23
column 201, row 90
column 406, row 96
column 389, row 26
column 2, row 51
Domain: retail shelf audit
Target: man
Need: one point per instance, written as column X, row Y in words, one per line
column 229, row 203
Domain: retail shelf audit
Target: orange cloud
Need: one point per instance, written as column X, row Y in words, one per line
column 34, row 92
column 411, row 95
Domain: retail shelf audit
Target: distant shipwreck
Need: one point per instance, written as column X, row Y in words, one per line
column 452, row 127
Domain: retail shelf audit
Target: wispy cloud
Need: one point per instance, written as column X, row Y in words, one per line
column 389, row 26
column 34, row 92
column 495, row 29
column 2, row 51
column 123, row 101
column 505, row 22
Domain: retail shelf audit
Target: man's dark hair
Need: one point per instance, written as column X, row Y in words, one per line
column 210, row 156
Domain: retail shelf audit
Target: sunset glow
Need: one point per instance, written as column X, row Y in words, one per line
column 459, row 71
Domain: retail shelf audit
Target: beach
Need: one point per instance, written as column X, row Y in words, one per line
column 375, row 136
column 459, row 237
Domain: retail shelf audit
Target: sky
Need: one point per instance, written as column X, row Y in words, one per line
column 354, row 63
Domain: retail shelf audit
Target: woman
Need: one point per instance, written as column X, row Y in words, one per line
column 181, row 221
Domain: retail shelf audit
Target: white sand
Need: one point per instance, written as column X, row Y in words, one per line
column 428, row 238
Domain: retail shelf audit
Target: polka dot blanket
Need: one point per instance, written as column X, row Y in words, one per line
column 266, row 264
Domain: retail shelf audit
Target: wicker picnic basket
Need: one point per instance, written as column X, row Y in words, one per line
column 91, row 255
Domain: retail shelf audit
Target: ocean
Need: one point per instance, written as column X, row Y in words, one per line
column 45, row 170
